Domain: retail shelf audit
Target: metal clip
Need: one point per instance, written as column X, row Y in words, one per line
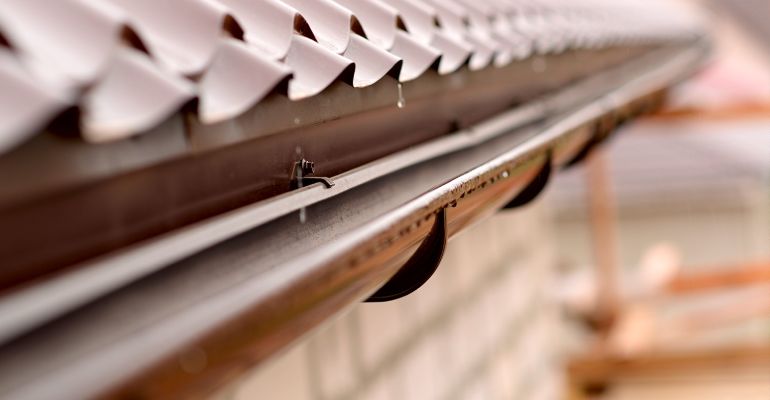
column 300, row 172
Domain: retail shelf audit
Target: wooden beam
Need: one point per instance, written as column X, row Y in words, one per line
column 732, row 113
column 604, row 237
column 726, row 277
column 603, row 369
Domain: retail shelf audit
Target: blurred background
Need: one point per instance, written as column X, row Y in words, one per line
column 650, row 279
column 664, row 237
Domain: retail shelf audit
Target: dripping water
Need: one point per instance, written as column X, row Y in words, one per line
column 401, row 103
column 303, row 210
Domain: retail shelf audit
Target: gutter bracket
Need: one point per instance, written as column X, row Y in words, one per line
column 309, row 180
column 583, row 154
column 299, row 175
column 420, row 267
column 534, row 188
column 604, row 127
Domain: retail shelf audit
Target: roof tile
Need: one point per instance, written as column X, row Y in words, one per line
column 239, row 77
column 330, row 22
column 377, row 19
column 315, row 67
column 372, row 63
column 267, row 24
column 133, row 96
column 26, row 105
column 182, row 34
column 230, row 54
column 71, row 41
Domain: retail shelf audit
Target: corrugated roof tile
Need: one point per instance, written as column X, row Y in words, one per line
column 314, row 66
column 132, row 97
column 372, row 63
column 181, row 34
column 267, row 24
column 455, row 52
column 380, row 23
column 417, row 57
column 26, row 104
column 230, row 54
column 335, row 27
column 331, row 23
column 421, row 20
column 238, row 78
column 377, row 19
column 70, row 41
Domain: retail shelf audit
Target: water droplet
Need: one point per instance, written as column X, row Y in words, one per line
column 401, row 103
column 505, row 174
column 303, row 210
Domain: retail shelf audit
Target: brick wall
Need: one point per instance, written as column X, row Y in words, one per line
column 484, row 327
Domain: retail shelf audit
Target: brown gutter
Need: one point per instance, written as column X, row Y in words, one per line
column 255, row 288
column 98, row 277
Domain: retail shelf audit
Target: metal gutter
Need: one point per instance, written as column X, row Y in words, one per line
column 265, row 278
column 30, row 306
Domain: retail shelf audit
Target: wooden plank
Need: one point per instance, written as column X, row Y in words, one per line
column 725, row 277
column 604, row 237
column 602, row 369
